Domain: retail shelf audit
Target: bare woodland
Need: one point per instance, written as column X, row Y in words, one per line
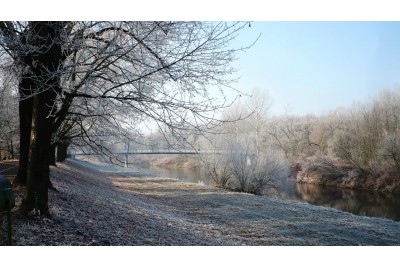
column 355, row 147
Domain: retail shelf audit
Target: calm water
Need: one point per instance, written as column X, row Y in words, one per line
column 364, row 203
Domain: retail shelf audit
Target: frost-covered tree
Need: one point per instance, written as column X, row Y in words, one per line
column 391, row 150
column 247, row 117
column 260, row 104
column 293, row 135
column 154, row 71
column 8, row 120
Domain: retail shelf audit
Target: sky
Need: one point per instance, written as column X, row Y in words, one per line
column 315, row 67
column 308, row 66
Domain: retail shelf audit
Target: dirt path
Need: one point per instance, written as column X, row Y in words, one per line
column 112, row 206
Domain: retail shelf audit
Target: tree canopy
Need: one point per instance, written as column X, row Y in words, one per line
column 75, row 78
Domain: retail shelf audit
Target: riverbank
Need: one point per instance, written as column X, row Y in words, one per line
column 100, row 205
column 318, row 171
column 329, row 172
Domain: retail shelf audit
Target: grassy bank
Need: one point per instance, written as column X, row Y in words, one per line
column 95, row 205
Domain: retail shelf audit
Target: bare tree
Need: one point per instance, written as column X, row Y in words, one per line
column 391, row 150
column 292, row 134
column 260, row 103
column 8, row 120
column 159, row 71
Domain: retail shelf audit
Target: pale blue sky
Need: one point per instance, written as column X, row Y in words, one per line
column 314, row 67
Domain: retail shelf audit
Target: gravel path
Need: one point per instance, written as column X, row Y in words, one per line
column 102, row 205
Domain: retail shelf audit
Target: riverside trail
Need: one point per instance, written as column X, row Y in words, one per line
column 106, row 205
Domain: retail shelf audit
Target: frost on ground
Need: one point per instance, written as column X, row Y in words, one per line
column 102, row 205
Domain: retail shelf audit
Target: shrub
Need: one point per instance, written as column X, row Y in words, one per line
column 253, row 173
column 270, row 168
column 218, row 169
column 329, row 167
column 238, row 167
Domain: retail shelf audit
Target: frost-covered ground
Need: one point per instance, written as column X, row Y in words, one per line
column 104, row 205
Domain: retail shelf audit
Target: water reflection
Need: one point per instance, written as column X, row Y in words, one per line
column 364, row 203
column 187, row 175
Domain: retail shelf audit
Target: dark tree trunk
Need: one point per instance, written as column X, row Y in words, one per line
column 12, row 149
column 52, row 162
column 25, row 88
column 36, row 195
column 62, row 149
column 52, row 155
column 45, row 37
column 25, row 122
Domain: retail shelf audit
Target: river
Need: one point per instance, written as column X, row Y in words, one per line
column 358, row 202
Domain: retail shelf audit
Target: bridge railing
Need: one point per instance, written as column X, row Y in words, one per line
column 153, row 151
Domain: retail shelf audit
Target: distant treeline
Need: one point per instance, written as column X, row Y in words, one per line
column 364, row 137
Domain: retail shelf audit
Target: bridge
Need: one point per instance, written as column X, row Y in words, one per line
column 151, row 151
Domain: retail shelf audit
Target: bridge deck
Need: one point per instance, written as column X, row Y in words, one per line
column 137, row 152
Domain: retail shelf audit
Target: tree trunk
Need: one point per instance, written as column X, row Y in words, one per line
column 25, row 122
column 12, row 149
column 45, row 37
column 25, row 88
column 36, row 195
column 52, row 155
column 62, row 149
